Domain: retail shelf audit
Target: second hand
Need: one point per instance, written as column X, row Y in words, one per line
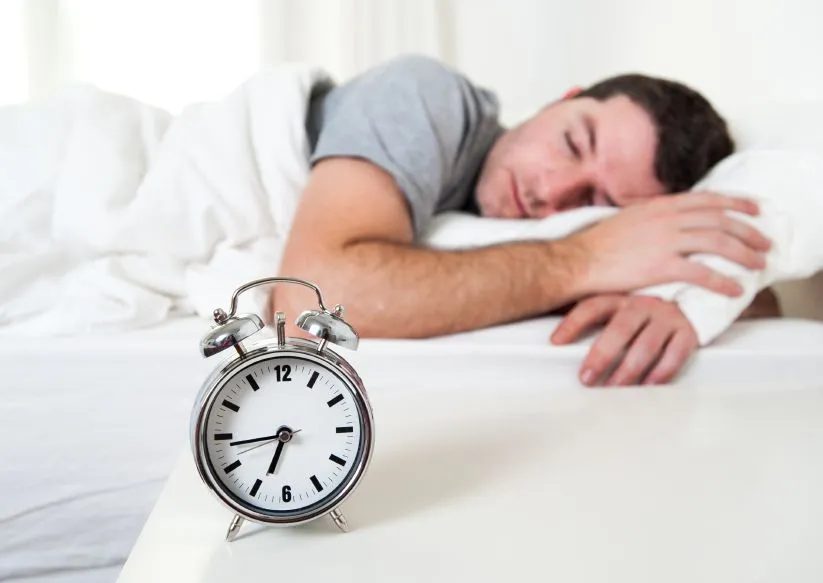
column 256, row 446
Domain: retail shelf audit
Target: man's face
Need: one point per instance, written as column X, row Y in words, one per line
column 576, row 152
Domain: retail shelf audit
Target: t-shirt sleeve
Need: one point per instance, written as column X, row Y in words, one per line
column 407, row 117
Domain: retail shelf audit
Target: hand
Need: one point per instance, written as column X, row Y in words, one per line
column 265, row 439
column 255, row 439
column 647, row 340
column 276, row 457
column 254, row 447
column 649, row 244
column 284, row 435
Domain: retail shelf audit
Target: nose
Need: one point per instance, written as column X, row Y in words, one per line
column 560, row 190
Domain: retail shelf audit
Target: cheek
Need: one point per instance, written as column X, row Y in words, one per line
column 487, row 191
column 537, row 153
column 494, row 195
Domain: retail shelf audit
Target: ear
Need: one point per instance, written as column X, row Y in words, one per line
column 573, row 92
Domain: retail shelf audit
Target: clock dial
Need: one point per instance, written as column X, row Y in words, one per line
column 284, row 434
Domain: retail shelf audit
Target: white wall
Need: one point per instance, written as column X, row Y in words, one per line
column 171, row 52
column 174, row 52
column 737, row 51
column 348, row 36
column 14, row 57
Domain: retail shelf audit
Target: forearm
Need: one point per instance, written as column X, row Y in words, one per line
column 394, row 290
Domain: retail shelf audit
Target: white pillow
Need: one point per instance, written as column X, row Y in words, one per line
column 457, row 230
column 787, row 183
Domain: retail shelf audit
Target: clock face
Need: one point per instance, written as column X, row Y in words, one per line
column 284, row 434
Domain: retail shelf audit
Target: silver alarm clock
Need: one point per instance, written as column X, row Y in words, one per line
column 282, row 430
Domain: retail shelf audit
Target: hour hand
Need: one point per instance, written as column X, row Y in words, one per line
column 284, row 435
column 276, row 457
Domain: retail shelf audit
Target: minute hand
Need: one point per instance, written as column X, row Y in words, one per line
column 255, row 440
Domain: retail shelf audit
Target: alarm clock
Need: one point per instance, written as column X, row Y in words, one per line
column 282, row 430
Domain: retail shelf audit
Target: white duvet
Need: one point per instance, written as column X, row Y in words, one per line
column 116, row 215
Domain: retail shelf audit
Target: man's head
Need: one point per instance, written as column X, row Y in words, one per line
column 618, row 142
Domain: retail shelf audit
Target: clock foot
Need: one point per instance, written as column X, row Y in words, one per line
column 339, row 520
column 234, row 527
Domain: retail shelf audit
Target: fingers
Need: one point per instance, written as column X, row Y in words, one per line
column 720, row 221
column 704, row 276
column 646, row 342
column 747, row 234
column 709, row 200
column 719, row 243
column 679, row 349
column 586, row 314
column 612, row 341
column 642, row 355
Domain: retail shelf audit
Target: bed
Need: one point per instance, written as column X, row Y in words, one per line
column 93, row 425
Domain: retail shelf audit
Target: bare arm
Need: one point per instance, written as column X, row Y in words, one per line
column 352, row 235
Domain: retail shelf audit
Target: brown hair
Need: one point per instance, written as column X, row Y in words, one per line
column 691, row 136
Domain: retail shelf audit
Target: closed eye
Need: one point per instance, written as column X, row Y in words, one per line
column 606, row 199
column 589, row 123
column 574, row 149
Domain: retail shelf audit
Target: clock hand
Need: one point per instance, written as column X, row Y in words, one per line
column 284, row 434
column 255, row 446
column 256, row 439
column 276, row 457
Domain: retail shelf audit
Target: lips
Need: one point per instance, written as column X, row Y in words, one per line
column 516, row 197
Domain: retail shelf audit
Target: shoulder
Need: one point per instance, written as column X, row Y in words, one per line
column 417, row 70
column 423, row 79
column 413, row 116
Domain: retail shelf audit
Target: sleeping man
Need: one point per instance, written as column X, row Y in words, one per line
column 412, row 138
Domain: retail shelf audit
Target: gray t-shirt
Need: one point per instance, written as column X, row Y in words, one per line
column 425, row 124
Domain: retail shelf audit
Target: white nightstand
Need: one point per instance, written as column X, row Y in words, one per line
column 528, row 484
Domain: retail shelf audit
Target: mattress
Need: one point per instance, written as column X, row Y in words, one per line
column 92, row 426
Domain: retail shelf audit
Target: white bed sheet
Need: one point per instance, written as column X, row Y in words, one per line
column 92, row 426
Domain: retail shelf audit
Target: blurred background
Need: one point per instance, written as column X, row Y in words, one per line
column 757, row 60
column 67, row 212
column 174, row 52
